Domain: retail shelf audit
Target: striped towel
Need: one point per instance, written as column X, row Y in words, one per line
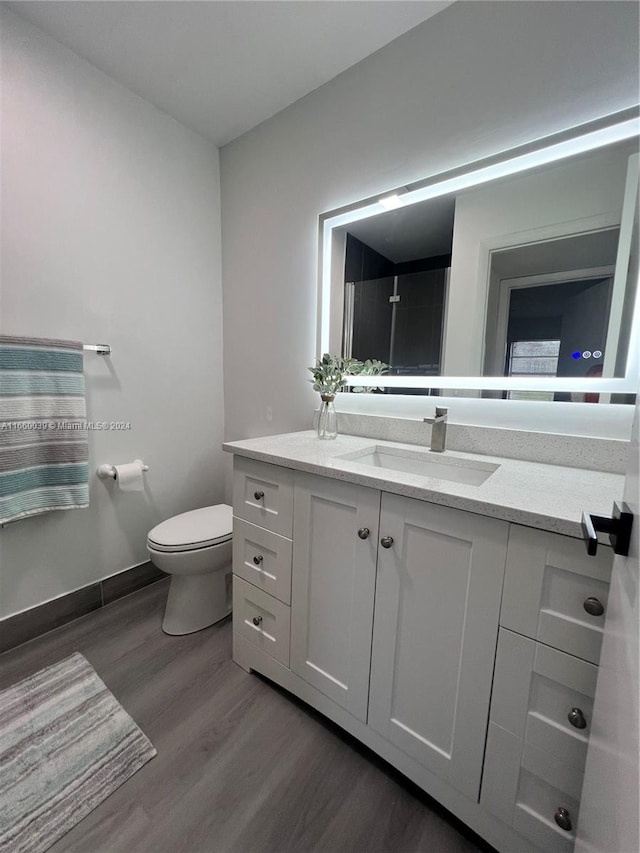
column 43, row 431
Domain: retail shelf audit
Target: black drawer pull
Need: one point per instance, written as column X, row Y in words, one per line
column 563, row 819
column 593, row 607
column 576, row 718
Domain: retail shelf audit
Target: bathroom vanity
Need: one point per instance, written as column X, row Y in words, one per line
column 440, row 608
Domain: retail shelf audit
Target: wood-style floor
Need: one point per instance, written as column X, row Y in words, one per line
column 242, row 767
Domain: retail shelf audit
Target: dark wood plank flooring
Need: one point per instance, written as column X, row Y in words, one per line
column 242, row 767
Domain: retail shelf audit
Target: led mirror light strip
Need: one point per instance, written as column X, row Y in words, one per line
column 510, row 166
column 494, row 383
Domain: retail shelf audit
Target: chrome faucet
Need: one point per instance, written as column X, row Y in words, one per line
column 439, row 429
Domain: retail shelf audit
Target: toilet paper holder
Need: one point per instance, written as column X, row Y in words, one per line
column 106, row 472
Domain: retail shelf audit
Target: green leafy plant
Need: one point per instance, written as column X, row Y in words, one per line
column 330, row 372
column 370, row 367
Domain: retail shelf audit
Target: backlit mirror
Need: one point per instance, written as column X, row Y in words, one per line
column 518, row 282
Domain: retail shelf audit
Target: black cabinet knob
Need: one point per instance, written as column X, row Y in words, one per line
column 563, row 819
column 576, row 718
column 593, row 606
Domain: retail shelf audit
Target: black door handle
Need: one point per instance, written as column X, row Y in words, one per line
column 618, row 527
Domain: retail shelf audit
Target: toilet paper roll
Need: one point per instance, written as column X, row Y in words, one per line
column 129, row 477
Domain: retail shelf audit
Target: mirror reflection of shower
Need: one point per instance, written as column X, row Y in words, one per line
column 395, row 290
column 398, row 320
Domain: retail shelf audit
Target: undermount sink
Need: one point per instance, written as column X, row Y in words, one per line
column 423, row 463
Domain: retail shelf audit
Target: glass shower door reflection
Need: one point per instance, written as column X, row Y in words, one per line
column 398, row 320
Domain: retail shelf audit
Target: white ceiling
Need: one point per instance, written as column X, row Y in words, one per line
column 223, row 66
column 421, row 230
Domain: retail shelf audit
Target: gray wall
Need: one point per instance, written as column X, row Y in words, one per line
column 475, row 79
column 110, row 233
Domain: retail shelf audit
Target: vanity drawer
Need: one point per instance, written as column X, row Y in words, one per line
column 538, row 690
column 526, row 787
column 263, row 558
column 261, row 619
column 548, row 580
column 263, row 494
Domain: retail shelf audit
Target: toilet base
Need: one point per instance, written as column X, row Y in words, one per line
column 196, row 602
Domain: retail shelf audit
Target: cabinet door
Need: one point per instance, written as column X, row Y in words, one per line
column 332, row 589
column 526, row 787
column 548, row 585
column 543, row 696
column 435, row 630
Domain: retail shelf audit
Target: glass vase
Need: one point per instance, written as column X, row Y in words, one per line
column 327, row 418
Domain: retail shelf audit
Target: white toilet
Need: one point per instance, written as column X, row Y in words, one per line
column 195, row 548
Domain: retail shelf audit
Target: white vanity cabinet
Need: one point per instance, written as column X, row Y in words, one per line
column 439, row 583
column 461, row 648
column 419, row 668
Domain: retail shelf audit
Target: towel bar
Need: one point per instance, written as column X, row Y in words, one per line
column 99, row 349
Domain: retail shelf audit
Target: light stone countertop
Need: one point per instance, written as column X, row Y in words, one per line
column 549, row 497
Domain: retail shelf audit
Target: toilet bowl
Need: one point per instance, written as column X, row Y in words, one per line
column 195, row 549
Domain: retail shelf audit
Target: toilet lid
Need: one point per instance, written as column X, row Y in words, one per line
column 198, row 528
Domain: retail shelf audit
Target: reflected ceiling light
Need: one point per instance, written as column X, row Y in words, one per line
column 391, row 202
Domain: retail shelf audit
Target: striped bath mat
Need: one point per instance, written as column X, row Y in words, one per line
column 65, row 745
column 43, row 429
